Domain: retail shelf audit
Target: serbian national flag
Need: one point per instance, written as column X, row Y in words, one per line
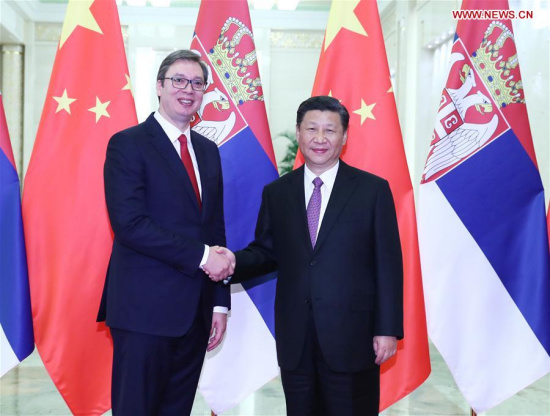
column 16, row 335
column 66, row 223
column 354, row 69
column 233, row 116
column 482, row 225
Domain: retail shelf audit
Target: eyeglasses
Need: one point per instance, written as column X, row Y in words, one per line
column 181, row 83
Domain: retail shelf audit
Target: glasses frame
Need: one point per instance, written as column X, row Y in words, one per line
column 189, row 82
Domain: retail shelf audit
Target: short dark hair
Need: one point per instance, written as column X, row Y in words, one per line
column 185, row 55
column 323, row 103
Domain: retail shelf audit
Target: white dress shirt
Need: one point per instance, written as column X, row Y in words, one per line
column 173, row 134
column 328, row 177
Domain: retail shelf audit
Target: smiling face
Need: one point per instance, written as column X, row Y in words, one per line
column 321, row 137
column 179, row 105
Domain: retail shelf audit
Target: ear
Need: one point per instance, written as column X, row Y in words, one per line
column 297, row 133
column 159, row 87
column 345, row 138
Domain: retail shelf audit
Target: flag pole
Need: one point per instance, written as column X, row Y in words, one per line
column 472, row 413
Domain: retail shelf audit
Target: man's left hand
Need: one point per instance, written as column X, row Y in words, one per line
column 384, row 348
column 219, row 323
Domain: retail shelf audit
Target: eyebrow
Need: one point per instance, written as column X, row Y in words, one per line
column 314, row 123
column 177, row 74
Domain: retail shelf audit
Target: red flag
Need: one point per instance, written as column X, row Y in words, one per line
column 353, row 68
column 66, row 224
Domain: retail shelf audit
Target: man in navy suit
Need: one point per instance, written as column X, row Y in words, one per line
column 330, row 231
column 164, row 193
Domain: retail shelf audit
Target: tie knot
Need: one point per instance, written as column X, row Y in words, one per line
column 183, row 140
column 317, row 182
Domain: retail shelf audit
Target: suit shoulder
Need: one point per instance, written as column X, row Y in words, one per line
column 285, row 179
column 368, row 177
column 131, row 134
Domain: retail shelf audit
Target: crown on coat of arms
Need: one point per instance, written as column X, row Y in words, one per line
column 232, row 60
column 501, row 76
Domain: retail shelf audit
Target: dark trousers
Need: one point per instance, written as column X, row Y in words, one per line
column 155, row 375
column 314, row 389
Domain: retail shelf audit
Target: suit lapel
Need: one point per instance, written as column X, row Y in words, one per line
column 202, row 162
column 298, row 197
column 162, row 143
column 343, row 188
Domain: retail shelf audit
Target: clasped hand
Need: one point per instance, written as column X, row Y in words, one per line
column 220, row 264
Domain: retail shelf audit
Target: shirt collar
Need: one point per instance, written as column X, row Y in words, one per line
column 172, row 131
column 328, row 177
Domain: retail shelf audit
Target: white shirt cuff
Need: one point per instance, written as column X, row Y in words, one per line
column 221, row 309
column 204, row 256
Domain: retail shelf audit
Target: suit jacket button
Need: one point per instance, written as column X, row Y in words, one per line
column 313, row 263
column 306, row 300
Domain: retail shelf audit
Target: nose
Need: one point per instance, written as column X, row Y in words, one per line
column 319, row 137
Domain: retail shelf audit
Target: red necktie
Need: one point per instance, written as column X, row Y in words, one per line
column 186, row 159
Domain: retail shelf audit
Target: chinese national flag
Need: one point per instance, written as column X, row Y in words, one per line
column 66, row 223
column 353, row 68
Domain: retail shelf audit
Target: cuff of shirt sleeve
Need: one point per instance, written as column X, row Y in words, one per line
column 221, row 309
column 204, row 256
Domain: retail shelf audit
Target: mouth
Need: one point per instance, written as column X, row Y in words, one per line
column 185, row 102
column 319, row 151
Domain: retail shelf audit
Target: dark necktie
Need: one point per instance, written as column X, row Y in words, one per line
column 186, row 159
column 314, row 210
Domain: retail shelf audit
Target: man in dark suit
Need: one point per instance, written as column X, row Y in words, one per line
column 330, row 231
column 164, row 193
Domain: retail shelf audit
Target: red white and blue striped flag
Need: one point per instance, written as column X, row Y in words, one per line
column 233, row 115
column 16, row 336
column 482, row 225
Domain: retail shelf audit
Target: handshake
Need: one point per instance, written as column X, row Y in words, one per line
column 220, row 264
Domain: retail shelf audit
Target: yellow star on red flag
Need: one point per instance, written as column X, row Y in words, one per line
column 78, row 14
column 342, row 16
column 100, row 109
column 128, row 85
column 64, row 102
column 365, row 111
